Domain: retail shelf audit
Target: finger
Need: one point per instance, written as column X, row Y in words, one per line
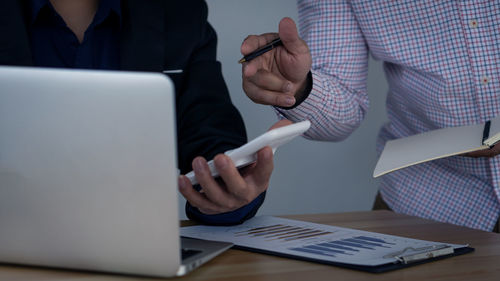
column 250, row 44
column 290, row 37
column 253, row 42
column 270, row 81
column 281, row 123
column 475, row 154
column 265, row 61
column 194, row 198
column 263, row 168
column 496, row 149
column 490, row 152
column 213, row 191
column 262, row 96
column 235, row 183
column 250, row 68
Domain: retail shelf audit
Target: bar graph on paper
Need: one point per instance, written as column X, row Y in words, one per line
column 316, row 241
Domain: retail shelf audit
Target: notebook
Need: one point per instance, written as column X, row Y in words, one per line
column 404, row 152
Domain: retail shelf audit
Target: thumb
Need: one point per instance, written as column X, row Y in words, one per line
column 281, row 123
column 290, row 37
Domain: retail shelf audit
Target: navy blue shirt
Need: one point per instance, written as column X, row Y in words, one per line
column 53, row 44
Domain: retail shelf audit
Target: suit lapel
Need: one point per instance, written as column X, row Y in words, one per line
column 143, row 35
column 14, row 41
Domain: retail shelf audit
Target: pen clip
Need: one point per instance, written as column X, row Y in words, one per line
column 410, row 254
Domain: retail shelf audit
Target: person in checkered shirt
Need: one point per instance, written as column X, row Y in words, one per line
column 441, row 61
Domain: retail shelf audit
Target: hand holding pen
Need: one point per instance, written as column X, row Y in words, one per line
column 276, row 73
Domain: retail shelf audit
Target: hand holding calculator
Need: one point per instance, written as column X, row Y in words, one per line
column 247, row 153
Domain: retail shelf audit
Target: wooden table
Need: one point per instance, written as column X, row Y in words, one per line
column 483, row 264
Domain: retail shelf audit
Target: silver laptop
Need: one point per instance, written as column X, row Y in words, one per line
column 88, row 173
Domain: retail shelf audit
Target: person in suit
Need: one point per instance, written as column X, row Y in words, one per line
column 171, row 37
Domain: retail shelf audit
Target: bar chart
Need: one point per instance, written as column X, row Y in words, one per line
column 282, row 232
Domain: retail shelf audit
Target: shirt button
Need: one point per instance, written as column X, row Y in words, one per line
column 485, row 80
column 473, row 23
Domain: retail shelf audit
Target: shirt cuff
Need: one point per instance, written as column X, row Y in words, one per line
column 305, row 92
column 230, row 218
column 306, row 108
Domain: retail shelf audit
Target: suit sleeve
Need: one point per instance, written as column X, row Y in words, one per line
column 208, row 123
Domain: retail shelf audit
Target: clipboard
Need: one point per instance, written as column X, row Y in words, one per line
column 327, row 244
column 372, row 269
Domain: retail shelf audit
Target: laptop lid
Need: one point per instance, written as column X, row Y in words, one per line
column 88, row 170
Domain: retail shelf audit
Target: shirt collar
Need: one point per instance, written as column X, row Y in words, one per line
column 105, row 9
column 112, row 6
column 104, row 5
column 36, row 6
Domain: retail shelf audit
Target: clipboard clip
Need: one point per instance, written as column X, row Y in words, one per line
column 410, row 254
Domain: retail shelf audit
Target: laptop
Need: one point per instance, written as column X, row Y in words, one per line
column 88, row 173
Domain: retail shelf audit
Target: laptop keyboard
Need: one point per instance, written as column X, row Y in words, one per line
column 187, row 253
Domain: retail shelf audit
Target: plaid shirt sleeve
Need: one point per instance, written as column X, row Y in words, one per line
column 338, row 100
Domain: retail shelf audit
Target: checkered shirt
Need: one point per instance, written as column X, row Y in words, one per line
column 441, row 60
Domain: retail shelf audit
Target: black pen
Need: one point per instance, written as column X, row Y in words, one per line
column 273, row 44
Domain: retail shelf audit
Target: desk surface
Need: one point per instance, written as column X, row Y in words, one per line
column 483, row 264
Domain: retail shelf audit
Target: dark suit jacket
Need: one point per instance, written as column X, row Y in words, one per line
column 157, row 36
column 162, row 35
